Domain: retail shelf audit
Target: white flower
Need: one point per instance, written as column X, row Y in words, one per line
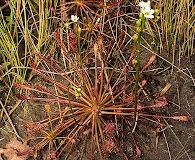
column 74, row 18
column 146, row 9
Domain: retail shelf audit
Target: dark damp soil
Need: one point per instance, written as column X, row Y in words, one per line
column 176, row 142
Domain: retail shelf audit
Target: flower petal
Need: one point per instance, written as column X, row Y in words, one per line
column 151, row 11
column 146, row 9
column 149, row 16
column 147, row 4
column 141, row 4
column 74, row 18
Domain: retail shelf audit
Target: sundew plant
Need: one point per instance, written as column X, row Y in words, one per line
column 92, row 84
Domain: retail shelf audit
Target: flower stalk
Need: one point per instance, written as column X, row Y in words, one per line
column 79, row 30
column 137, row 68
column 146, row 12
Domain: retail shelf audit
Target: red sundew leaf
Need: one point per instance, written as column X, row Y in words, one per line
column 32, row 64
column 22, row 85
column 158, row 130
column 181, row 118
column 48, row 56
column 57, row 37
column 109, row 128
column 34, row 127
column 160, row 102
column 16, row 84
column 129, row 99
column 59, row 41
column 52, row 155
column 23, row 97
column 150, row 61
column 138, row 151
column 143, row 83
column 42, row 88
column 112, row 5
column 109, row 145
column 73, row 43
